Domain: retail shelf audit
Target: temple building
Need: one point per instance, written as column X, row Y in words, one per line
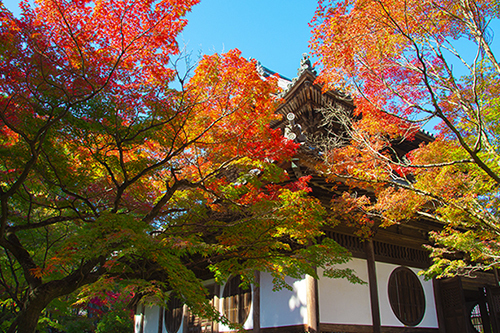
column 395, row 298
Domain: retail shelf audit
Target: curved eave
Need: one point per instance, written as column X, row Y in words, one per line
column 306, row 96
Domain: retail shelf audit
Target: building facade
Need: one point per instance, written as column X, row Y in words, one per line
column 394, row 299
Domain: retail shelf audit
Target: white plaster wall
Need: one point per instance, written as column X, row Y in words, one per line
column 387, row 317
column 342, row 302
column 151, row 316
column 284, row 307
column 278, row 308
column 137, row 322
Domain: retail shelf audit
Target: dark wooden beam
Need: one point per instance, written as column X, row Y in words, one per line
column 372, row 282
column 346, row 328
column 368, row 329
column 256, row 302
column 160, row 320
column 285, row 329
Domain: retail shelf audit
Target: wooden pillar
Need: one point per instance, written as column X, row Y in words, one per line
column 256, row 302
column 143, row 314
column 312, row 304
column 439, row 305
column 215, row 324
column 160, row 320
column 485, row 318
column 185, row 318
column 372, row 283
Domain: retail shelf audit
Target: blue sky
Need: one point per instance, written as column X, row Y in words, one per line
column 275, row 32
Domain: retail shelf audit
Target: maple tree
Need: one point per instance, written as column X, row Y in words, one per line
column 110, row 176
column 407, row 64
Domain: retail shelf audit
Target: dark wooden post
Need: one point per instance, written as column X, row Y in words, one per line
column 493, row 297
column 312, row 304
column 372, row 283
column 160, row 320
column 485, row 318
column 143, row 314
column 256, row 302
column 439, row 306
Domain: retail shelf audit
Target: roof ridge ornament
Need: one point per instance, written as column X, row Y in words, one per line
column 305, row 65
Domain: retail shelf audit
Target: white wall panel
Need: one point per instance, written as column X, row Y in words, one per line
column 284, row 307
column 341, row 302
column 151, row 315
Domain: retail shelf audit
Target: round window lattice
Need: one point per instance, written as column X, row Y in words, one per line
column 406, row 296
column 173, row 314
column 236, row 300
column 475, row 319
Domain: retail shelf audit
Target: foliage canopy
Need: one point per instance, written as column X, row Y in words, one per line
column 108, row 175
column 409, row 63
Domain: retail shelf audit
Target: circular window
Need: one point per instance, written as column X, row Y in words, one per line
column 406, row 296
column 173, row 314
column 237, row 301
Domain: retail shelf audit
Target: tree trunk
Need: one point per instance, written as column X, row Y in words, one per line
column 27, row 320
column 42, row 295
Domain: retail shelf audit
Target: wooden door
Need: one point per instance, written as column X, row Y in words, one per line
column 493, row 298
column 453, row 305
